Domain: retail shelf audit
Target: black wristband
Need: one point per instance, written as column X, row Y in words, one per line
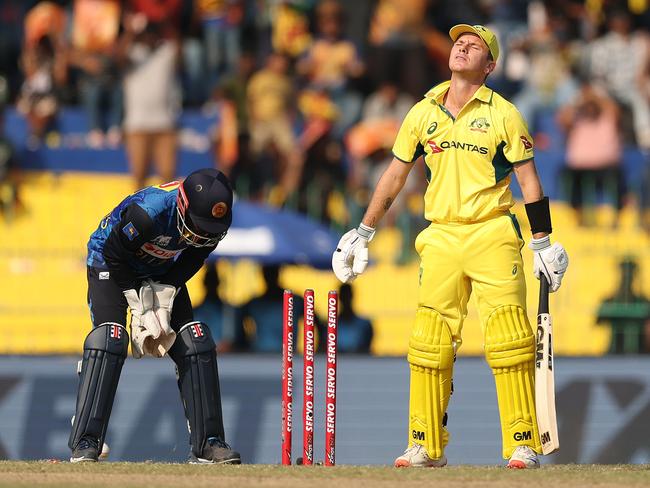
column 539, row 216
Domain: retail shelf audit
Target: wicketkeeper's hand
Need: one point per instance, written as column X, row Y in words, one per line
column 163, row 302
column 351, row 256
column 140, row 302
column 549, row 260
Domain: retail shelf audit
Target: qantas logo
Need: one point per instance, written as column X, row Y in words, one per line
column 434, row 147
column 465, row 146
column 527, row 144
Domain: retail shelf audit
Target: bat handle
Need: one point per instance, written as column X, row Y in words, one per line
column 543, row 295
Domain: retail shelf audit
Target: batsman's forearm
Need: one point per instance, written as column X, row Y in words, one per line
column 531, row 190
column 387, row 189
column 528, row 179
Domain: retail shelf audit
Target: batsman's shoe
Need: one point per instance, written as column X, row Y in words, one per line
column 216, row 451
column 416, row 456
column 523, row 458
column 87, row 451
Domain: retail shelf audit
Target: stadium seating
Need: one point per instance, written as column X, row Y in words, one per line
column 42, row 260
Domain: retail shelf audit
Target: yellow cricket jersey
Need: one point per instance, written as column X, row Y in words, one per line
column 470, row 158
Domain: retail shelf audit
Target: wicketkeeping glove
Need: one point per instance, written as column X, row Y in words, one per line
column 351, row 256
column 140, row 302
column 549, row 260
column 163, row 302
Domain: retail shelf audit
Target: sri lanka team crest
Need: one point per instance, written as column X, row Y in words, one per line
column 130, row 231
column 480, row 125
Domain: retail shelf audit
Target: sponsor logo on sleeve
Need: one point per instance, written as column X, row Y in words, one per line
column 528, row 145
column 130, row 231
column 104, row 275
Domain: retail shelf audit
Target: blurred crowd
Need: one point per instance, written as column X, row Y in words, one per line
column 254, row 326
column 310, row 93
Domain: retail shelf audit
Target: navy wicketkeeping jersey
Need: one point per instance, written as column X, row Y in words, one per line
column 139, row 238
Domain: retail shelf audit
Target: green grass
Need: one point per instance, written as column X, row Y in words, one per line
column 157, row 475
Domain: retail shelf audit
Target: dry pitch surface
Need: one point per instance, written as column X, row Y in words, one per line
column 157, row 475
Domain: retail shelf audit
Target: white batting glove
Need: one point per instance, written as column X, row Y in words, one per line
column 549, row 260
column 351, row 256
column 140, row 302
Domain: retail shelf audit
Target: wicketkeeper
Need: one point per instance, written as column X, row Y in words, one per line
column 471, row 139
column 141, row 256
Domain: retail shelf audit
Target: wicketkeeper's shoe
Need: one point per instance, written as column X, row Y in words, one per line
column 523, row 458
column 86, row 451
column 416, row 456
column 216, row 451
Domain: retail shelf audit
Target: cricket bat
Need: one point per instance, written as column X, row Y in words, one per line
column 544, row 374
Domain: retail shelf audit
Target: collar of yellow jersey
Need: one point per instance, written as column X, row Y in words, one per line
column 484, row 94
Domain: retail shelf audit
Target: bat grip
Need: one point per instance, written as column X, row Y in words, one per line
column 543, row 295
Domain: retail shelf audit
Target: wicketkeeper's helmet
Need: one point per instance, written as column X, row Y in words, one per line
column 204, row 207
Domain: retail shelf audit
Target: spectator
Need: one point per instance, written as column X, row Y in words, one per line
column 99, row 80
column 354, row 332
column 624, row 75
column 221, row 22
column 265, row 312
column 594, row 150
column 290, row 34
column 396, row 46
column 645, row 196
column 231, row 95
column 370, row 141
column 12, row 13
column 8, row 169
column 323, row 175
column 223, row 319
column 165, row 13
column 369, row 145
column 270, row 105
column 226, row 133
column 548, row 79
column 44, row 69
column 330, row 62
column 151, row 97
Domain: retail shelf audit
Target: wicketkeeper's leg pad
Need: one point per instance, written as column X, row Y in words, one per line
column 510, row 352
column 105, row 350
column 431, row 359
column 198, row 381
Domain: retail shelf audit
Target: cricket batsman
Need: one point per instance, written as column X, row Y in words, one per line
column 471, row 139
column 141, row 255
